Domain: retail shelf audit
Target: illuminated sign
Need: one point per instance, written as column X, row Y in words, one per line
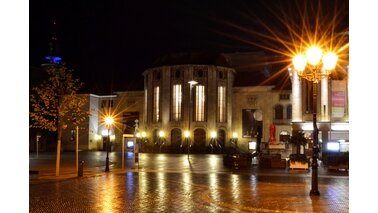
column 130, row 144
column 252, row 145
column 333, row 146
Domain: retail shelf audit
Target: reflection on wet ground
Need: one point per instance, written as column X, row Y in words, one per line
column 212, row 188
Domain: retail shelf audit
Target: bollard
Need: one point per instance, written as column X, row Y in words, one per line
column 81, row 169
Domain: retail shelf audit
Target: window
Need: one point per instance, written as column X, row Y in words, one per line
column 221, row 103
column 284, row 136
column 289, row 111
column 278, row 112
column 103, row 103
column 156, row 109
column 284, row 96
column 222, row 75
column 200, row 103
column 177, row 74
column 106, row 103
column 176, row 102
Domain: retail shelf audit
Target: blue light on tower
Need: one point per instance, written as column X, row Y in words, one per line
column 54, row 59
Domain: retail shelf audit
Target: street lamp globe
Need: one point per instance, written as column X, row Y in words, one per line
column 137, row 135
column 329, row 61
column 213, row 134
column 144, row 134
column 186, row 134
column 234, row 135
column 299, row 62
column 313, row 55
column 161, row 134
column 109, row 120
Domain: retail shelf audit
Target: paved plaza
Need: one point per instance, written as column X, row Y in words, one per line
column 172, row 183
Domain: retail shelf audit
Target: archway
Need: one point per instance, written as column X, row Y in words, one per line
column 176, row 139
column 199, row 140
column 221, row 136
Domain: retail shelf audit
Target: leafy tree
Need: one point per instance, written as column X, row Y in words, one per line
column 298, row 139
column 55, row 104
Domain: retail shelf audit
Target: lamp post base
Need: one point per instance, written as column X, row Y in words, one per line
column 314, row 192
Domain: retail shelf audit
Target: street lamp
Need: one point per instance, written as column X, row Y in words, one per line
column 313, row 67
column 187, row 134
column 191, row 83
column 161, row 139
column 108, row 121
column 213, row 135
column 144, row 140
column 235, row 139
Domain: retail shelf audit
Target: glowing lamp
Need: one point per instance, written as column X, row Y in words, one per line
column 329, row 61
column 313, row 55
column 213, row 134
column 186, row 134
column 144, row 134
column 109, row 120
column 299, row 62
column 234, row 135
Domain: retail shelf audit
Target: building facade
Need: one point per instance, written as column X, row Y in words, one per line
column 215, row 112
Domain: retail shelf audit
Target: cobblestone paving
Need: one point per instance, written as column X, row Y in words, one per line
column 158, row 191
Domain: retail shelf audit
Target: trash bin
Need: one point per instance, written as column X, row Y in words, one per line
column 81, row 169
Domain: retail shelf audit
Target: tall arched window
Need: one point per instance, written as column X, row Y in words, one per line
column 200, row 103
column 176, row 102
column 278, row 112
column 156, row 105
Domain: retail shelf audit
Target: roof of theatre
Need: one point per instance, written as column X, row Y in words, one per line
column 252, row 68
column 192, row 58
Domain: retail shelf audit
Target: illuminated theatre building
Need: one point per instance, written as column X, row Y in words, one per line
column 229, row 99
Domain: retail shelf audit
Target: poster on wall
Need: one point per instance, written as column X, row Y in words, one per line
column 338, row 99
column 130, row 122
column 249, row 123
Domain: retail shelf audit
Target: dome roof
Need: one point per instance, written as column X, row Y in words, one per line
column 192, row 58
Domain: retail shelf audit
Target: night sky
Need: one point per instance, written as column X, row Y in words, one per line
column 110, row 43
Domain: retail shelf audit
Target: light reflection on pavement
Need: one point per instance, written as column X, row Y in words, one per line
column 169, row 183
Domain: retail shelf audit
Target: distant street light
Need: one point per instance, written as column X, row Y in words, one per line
column 108, row 121
column 213, row 136
column 313, row 67
column 161, row 139
column 235, row 139
column 144, row 141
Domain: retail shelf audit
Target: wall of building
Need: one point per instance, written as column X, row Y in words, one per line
column 210, row 80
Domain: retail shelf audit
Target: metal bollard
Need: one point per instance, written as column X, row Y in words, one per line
column 81, row 169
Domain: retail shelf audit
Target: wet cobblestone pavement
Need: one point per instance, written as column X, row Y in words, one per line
column 195, row 187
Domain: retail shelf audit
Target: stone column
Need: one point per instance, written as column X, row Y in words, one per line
column 296, row 98
column 324, row 97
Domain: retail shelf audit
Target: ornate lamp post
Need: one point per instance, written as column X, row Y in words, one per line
column 108, row 121
column 313, row 67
